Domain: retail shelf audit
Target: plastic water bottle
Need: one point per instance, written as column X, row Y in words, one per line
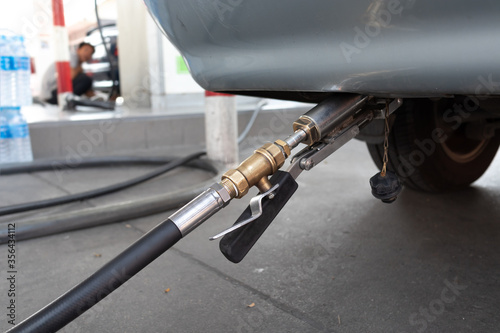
column 2, row 51
column 23, row 72
column 4, row 138
column 20, row 143
column 3, row 74
column 7, row 73
column 11, row 70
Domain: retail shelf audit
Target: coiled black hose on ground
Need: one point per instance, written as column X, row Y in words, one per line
column 90, row 217
column 88, row 162
column 24, row 207
column 44, row 225
column 97, row 216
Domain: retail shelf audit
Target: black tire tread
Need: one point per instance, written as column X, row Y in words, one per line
column 414, row 118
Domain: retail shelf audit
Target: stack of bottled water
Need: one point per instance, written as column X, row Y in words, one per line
column 15, row 73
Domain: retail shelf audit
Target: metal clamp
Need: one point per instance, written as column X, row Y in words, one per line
column 309, row 157
column 255, row 207
column 393, row 106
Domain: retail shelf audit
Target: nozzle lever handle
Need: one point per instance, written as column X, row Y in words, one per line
column 235, row 245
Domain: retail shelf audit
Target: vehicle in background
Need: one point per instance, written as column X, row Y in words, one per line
column 99, row 67
column 440, row 59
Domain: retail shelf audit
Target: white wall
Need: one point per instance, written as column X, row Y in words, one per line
column 149, row 63
column 172, row 87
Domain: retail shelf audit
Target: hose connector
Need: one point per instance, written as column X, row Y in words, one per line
column 330, row 115
column 333, row 113
column 254, row 171
column 201, row 208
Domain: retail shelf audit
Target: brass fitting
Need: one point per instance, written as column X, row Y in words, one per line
column 309, row 126
column 254, row 171
column 284, row 147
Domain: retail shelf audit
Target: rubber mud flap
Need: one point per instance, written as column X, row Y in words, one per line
column 235, row 245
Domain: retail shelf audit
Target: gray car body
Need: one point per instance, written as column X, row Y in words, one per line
column 404, row 48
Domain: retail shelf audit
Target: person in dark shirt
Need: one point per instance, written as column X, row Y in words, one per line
column 82, row 83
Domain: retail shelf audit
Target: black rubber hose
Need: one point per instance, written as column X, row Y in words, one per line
column 100, row 191
column 41, row 226
column 92, row 162
column 75, row 302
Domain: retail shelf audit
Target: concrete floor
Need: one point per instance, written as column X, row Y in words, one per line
column 335, row 259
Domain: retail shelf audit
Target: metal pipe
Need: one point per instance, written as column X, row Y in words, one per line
column 328, row 115
column 293, row 140
column 310, row 128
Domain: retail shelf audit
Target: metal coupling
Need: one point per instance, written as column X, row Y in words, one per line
column 328, row 116
column 201, row 208
column 309, row 126
column 254, row 170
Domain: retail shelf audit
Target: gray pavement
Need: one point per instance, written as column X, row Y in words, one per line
column 335, row 259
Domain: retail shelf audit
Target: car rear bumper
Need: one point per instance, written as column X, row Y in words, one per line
column 386, row 47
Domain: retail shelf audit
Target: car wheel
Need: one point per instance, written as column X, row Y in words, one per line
column 430, row 151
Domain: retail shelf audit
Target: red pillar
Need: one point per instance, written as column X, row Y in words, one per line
column 64, row 84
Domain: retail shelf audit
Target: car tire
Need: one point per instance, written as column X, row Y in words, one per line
column 430, row 152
